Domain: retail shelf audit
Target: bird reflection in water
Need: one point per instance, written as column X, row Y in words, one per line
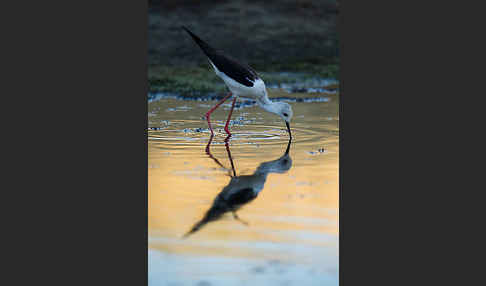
column 241, row 189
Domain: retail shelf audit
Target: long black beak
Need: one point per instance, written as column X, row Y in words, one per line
column 288, row 129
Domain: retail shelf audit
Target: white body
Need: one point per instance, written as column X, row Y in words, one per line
column 257, row 92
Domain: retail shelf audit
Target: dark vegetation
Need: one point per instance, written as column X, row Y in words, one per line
column 271, row 36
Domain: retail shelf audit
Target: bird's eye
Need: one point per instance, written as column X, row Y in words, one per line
column 285, row 114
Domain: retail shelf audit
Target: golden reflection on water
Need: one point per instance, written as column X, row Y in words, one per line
column 295, row 215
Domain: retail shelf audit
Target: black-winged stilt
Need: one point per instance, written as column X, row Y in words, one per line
column 242, row 81
column 241, row 189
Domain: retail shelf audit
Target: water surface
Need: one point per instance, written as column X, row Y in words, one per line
column 280, row 224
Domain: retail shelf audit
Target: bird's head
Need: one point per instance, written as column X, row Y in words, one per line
column 284, row 110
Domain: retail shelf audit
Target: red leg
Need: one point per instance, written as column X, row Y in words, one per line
column 209, row 143
column 208, row 152
column 208, row 114
column 229, row 117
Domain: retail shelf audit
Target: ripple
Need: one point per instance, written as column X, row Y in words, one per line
column 178, row 126
column 183, row 133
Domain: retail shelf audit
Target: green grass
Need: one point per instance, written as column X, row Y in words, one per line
column 201, row 80
column 186, row 81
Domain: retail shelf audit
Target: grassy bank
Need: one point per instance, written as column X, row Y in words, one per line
column 201, row 80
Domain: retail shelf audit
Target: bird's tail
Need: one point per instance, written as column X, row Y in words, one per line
column 214, row 213
column 197, row 226
column 207, row 49
column 194, row 229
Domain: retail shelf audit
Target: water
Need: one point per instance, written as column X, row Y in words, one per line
column 280, row 228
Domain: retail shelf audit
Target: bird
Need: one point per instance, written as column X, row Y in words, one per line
column 242, row 81
column 241, row 189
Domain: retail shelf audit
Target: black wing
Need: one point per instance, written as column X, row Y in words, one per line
column 232, row 68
